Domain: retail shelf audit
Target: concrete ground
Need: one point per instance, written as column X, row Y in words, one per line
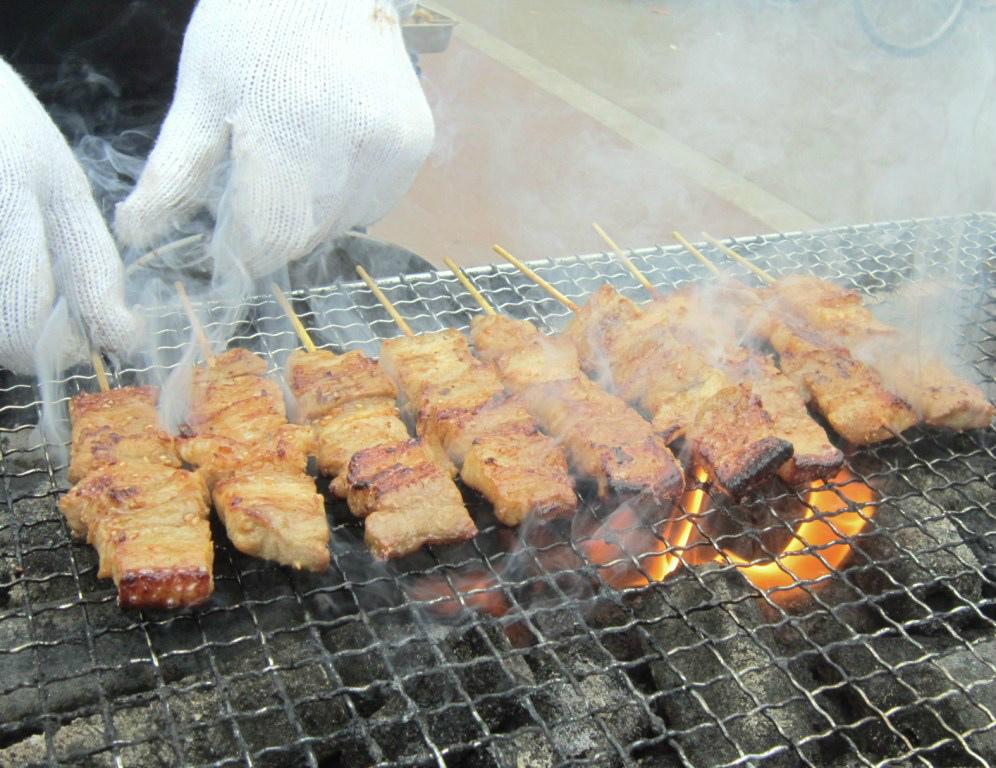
column 649, row 116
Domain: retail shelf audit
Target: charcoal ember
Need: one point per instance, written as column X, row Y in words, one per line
column 920, row 569
column 710, row 629
column 577, row 694
column 890, row 692
column 85, row 741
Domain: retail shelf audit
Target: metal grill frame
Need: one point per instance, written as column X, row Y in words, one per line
column 242, row 638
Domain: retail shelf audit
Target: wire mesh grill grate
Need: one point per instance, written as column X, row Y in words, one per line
column 509, row 649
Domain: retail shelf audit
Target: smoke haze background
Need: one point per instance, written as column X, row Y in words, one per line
column 792, row 98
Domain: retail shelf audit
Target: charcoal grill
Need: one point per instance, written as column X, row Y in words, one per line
column 511, row 650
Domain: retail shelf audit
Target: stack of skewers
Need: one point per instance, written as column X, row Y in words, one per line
column 517, row 414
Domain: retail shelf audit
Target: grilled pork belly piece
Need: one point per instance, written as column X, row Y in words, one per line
column 323, row 381
column 848, row 393
column 523, row 356
column 713, row 319
column 687, row 395
column 814, row 457
column 416, row 363
column 465, row 417
column 275, row 514
column 939, row 396
column 605, row 439
column 218, row 457
column 148, row 523
column 255, row 460
column 115, row 426
column 502, row 455
column 406, row 500
column 350, row 403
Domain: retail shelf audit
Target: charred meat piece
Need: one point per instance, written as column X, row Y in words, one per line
column 148, row 523
column 814, row 457
column 255, row 460
column 115, row 426
column 685, row 393
column 406, row 499
column 714, row 319
column 725, row 430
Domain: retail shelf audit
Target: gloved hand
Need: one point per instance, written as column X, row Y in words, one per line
column 315, row 105
column 52, row 236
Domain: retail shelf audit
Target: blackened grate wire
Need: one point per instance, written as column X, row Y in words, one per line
column 511, row 649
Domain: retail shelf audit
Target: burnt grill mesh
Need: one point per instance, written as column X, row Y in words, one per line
column 889, row 661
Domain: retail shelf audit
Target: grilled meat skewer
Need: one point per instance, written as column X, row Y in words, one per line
column 702, row 324
column 604, row 438
column 405, row 498
column 723, row 420
column 940, row 397
column 255, row 463
column 463, row 412
column 146, row 517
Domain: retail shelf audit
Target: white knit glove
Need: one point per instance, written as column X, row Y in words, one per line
column 316, row 105
column 52, row 236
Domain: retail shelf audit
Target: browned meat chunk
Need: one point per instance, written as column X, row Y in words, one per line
column 605, row 439
column 849, row 394
column 149, row 525
column 464, row 417
column 524, row 474
column 406, row 499
column 275, row 514
column 238, row 431
column 939, row 396
column 322, row 381
column 119, row 425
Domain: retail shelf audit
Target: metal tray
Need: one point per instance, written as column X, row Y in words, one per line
column 427, row 31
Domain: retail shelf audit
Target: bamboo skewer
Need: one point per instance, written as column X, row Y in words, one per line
column 626, row 260
column 295, row 321
column 478, row 296
column 695, row 252
column 471, row 288
column 98, row 368
column 375, row 289
column 739, row 259
column 195, row 324
column 536, row 278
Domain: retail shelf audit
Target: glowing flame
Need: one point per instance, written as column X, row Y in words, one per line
column 476, row 589
column 817, row 548
column 622, row 539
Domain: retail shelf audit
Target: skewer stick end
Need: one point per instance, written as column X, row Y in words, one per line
column 532, row 275
column 295, row 321
column 471, row 288
column 738, row 258
column 385, row 302
column 98, row 369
